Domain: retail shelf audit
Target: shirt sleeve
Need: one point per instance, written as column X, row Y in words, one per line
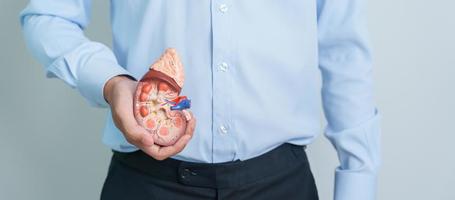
column 53, row 31
column 347, row 93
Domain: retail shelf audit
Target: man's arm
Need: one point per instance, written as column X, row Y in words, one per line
column 53, row 30
column 347, row 93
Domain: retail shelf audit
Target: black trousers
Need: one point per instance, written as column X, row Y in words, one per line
column 282, row 173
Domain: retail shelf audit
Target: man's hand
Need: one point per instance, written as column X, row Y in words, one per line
column 119, row 92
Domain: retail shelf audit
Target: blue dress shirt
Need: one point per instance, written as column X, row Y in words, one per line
column 257, row 71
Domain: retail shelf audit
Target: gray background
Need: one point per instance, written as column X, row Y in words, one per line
column 50, row 139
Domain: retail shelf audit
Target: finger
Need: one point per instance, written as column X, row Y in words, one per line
column 190, row 127
column 125, row 113
column 138, row 136
column 146, row 138
column 188, row 114
column 134, row 133
column 161, row 153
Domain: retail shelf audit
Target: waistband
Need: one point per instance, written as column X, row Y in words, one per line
column 217, row 175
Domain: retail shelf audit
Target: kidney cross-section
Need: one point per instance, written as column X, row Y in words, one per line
column 157, row 104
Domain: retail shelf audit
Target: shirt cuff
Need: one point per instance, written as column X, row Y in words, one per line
column 359, row 153
column 355, row 185
column 90, row 65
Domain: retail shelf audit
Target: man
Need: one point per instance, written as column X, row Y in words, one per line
column 252, row 71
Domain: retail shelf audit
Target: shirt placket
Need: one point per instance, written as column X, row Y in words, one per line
column 224, row 148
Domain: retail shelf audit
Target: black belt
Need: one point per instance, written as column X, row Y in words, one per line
column 217, row 175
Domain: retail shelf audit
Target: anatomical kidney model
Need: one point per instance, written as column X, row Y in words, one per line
column 157, row 104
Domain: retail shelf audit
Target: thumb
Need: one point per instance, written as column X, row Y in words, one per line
column 147, row 139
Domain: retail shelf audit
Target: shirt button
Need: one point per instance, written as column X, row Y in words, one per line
column 223, row 129
column 223, row 66
column 223, row 8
